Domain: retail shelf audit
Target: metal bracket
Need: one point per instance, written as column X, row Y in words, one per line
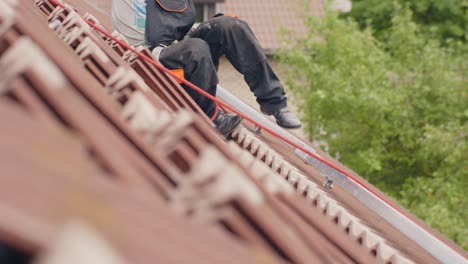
column 258, row 130
column 328, row 184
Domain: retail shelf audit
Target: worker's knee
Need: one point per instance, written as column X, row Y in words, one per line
column 198, row 49
column 231, row 24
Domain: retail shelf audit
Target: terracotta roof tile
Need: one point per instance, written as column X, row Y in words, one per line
column 113, row 146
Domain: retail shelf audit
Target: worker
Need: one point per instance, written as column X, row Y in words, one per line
column 168, row 31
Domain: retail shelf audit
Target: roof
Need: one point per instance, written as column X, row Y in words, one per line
column 269, row 18
column 99, row 136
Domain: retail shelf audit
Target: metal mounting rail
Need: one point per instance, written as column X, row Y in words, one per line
column 419, row 235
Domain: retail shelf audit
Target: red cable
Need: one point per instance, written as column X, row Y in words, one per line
column 215, row 114
column 227, row 106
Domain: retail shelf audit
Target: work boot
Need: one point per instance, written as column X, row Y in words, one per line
column 284, row 117
column 226, row 123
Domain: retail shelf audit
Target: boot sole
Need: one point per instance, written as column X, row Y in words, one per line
column 290, row 127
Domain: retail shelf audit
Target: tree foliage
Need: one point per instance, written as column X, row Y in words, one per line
column 441, row 18
column 393, row 109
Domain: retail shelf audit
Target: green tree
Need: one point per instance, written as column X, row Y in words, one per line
column 442, row 18
column 393, row 109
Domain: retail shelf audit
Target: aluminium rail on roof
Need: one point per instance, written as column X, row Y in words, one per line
column 397, row 219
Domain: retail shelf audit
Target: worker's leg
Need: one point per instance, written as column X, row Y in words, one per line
column 193, row 55
column 234, row 38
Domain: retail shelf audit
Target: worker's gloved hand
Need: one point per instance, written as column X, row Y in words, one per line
column 157, row 52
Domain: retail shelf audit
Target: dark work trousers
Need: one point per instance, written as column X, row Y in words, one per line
column 199, row 57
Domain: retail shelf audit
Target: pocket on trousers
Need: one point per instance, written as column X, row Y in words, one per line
column 178, row 6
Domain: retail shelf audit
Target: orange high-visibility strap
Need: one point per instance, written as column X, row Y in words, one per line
column 231, row 15
column 180, row 73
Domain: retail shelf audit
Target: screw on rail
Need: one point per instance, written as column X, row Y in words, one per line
column 258, row 130
column 328, row 184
